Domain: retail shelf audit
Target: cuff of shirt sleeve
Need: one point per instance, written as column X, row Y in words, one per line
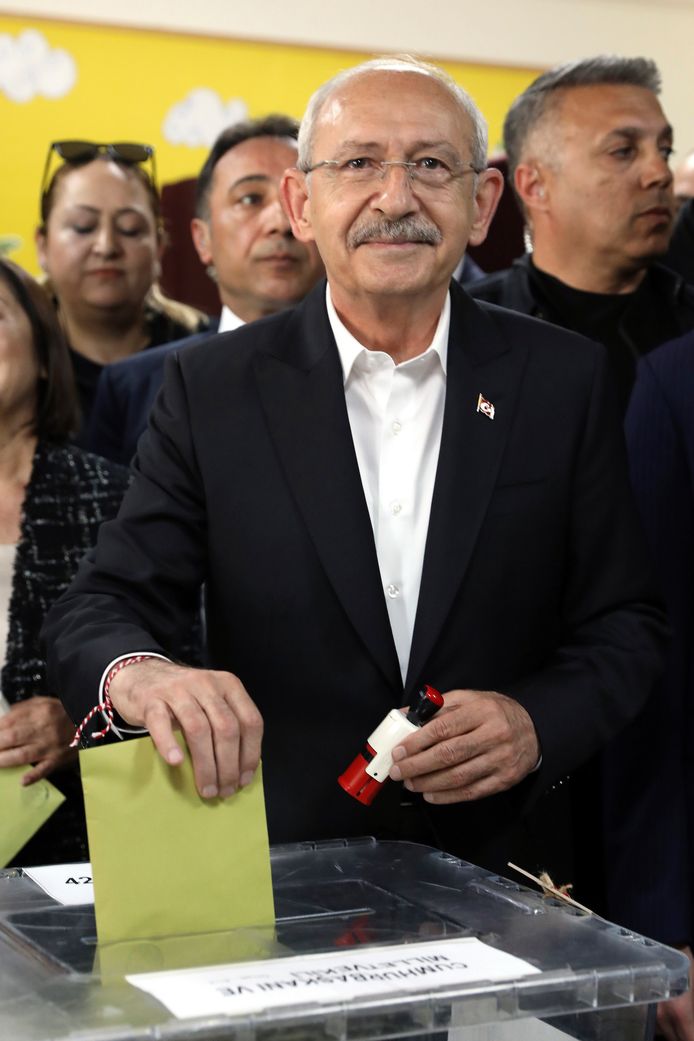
column 120, row 730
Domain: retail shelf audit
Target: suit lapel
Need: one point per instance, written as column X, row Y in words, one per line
column 302, row 393
column 472, row 445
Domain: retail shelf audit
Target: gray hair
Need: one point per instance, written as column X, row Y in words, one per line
column 398, row 63
column 530, row 108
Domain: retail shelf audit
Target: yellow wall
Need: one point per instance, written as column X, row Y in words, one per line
column 127, row 80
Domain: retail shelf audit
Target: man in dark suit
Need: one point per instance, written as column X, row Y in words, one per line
column 588, row 149
column 242, row 235
column 388, row 485
column 680, row 255
column 649, row 773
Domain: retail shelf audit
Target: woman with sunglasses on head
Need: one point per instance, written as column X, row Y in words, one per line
column 100, row 243
column 53, row 497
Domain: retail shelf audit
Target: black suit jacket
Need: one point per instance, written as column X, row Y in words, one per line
column 680, row 254
column 649, row 772
column 534, row 581
column 124, row 396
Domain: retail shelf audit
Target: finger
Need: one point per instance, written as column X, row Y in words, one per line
column 13, row 737
column 442, row 755
column 450, row 721
column 475, row 779
column 251, row 740
column 158, row 720
column 669, row 1028
column 225, row 736
column 40, row 770
column 35, row 746
column 237, row 728
column 194, row 715
column 479, row 789
column 17, row 756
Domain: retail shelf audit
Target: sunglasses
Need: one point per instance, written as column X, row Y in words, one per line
column 77, row 152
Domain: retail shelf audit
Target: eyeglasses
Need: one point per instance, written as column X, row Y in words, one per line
column 128, row 153
column 428, row 172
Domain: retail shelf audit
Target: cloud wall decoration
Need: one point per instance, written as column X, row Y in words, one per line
column 199, row 118
column 30, row 68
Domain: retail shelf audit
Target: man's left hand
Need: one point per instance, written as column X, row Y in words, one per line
column 676, row 1017
column 36, row 731
column 478, row 744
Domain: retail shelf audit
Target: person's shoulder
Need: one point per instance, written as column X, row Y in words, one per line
column 682, row 348
column 518, row 327
column 137, row 366
column 491, row 286
column 237, row 351
column 672, row 364
column 67, row 466
column 509, row 287
column 671, row 286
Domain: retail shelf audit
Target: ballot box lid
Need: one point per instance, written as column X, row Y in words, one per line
column 365, row 927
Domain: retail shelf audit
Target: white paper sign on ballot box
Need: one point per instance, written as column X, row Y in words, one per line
column 325, row 978
column 66, row 883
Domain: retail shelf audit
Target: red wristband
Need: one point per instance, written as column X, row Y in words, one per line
column 106, row 706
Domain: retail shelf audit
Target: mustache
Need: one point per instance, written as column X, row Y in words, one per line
column 404, row 229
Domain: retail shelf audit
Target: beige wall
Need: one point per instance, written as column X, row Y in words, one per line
column 506, row 32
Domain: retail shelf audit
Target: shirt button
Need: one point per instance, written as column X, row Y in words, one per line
column 397, row 426
column 393, row 591
column 395, row 508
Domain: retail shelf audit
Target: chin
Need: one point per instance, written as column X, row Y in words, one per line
column 286, row 291
column 651, row 253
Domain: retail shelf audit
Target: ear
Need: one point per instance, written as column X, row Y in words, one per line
column 40, row 240
column 297, row 203
column 531, row 184
column 200, row 233
column 490, row 185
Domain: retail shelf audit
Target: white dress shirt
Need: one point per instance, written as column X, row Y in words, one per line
column 228, row 321
column 396, row 415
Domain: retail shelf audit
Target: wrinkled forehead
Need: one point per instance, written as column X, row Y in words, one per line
column 266, row 157
column 600, row 109
column 392, row 108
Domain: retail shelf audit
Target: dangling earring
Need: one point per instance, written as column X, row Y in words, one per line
column 527, row 238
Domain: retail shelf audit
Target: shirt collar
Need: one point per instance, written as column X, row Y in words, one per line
column 228, row 321
column 350, row 349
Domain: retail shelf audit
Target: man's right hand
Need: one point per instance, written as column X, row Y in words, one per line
column 220, row 723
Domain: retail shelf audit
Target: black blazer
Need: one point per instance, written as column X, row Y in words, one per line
column 69, row 494
column 534, row 581
column 124, row 397
column 649, row 772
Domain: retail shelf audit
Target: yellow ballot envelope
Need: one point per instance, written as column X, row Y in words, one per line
column 164, row 861
column 24, row 809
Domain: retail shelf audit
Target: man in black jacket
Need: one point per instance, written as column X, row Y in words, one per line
column 588, row 148
column 387, row 486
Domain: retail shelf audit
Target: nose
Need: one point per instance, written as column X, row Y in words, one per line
column 276, row 220
column 656, row 169
column 394, row 196
column 106, row 242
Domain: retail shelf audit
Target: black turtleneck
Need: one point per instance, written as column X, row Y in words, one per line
column 628, row 324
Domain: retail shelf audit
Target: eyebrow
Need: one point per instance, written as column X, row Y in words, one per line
column 629, row 131
column 96, row 211
column 249, row 177
column 349, row 145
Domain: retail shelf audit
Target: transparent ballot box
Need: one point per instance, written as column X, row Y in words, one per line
column 366, row 945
